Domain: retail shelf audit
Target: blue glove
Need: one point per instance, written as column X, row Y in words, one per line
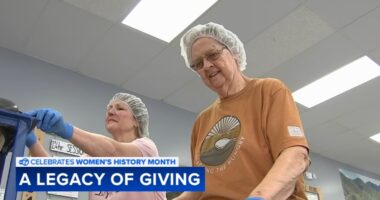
column 51, row 121
column 30, row 139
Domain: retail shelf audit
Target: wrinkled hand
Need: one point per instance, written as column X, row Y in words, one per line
column 31, row 139
column 51, row 121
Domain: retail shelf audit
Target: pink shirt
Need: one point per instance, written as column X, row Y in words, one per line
column 148, row 149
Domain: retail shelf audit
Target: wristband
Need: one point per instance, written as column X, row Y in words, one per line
column 254, row 198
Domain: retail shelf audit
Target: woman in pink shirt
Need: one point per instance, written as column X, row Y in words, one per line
column 126, row 120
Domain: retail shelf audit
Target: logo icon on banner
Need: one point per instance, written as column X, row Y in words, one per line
column 24, row 162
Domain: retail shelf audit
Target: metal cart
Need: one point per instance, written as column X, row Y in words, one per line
column 17, row 126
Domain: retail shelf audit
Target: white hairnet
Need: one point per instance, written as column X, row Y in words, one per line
column 220, row 34
column 139, row 111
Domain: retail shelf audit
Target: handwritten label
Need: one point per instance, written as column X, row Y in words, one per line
column 65, row 147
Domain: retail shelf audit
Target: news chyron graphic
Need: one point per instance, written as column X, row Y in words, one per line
column 107, row 174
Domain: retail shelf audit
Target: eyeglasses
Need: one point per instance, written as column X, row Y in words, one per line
column 210, row 56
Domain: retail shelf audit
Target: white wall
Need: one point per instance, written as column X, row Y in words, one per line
column 328, row 179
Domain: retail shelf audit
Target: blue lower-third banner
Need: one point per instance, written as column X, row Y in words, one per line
column 110, row 179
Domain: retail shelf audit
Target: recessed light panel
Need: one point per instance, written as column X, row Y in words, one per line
column 337, row 82
column 165, row 19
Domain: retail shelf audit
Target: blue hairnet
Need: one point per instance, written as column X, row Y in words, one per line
column 139, row 110
column 218, row 33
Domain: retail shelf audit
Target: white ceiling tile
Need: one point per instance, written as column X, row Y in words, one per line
column 342, row 109
column 194, row 96
column 362, row 118
column 344, row 141
column 365, row 31
column 375, row 55
column 295, row 33
column 354, row 151
column 16, row 27
column 317, row 61
column 316, row 116
column 326, row 130
column 349, row 10
column 301, row 108
column 162, row 76
column 248, row 18
column 64, row 34
column 120, row 55
column 318, row 135
column 362, row 95
column 113, row 10
column 370, row 128
column 368, row 161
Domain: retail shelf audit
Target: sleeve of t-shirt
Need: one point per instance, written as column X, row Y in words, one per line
column 194, row 140
column 146, row 147
column 284, row 127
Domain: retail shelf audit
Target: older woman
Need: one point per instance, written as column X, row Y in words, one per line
column 126, row 119
column 250, row 139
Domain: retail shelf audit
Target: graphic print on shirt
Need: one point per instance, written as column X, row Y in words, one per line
column 220, row 142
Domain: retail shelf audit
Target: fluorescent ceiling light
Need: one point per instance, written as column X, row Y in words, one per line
column 165, row 19
column 376, row 137
column 337, row 82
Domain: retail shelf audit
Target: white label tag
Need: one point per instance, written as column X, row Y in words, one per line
column 295, row 131
column 64, row 147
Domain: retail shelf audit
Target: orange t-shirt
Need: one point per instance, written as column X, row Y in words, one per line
column 238, row 138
